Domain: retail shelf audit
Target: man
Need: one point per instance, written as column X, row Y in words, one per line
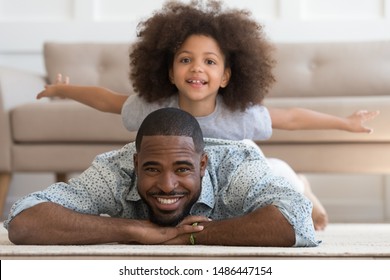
column 168, row 188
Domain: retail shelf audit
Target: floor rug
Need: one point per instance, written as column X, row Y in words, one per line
column 366, row 241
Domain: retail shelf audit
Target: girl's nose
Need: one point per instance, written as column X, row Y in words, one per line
column 196, row 67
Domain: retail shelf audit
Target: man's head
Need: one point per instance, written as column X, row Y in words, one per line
column 169, row 163
column 173, row 122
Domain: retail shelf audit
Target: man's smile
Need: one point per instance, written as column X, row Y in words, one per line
column 164, row 200
column 168, row 202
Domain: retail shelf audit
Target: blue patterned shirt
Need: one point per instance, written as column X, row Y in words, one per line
column 237, row 181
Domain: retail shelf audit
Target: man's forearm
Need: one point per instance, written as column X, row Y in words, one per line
column 49, row 223
column 264, row 227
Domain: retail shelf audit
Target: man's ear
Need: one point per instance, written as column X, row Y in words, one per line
column 135, row 162
column 203, row 164
column 226, row 77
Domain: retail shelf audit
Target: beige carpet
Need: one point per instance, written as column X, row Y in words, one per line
column 365, row 241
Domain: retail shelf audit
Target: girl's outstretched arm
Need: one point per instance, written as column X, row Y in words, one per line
column 305, row 119
column 99, row 98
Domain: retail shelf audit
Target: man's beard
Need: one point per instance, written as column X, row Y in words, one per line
column 171, row 222
column 162, row 219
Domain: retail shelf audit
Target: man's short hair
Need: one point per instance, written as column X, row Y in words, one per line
column 171, row 122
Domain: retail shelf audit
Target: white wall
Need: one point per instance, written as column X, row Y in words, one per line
column 26, row 24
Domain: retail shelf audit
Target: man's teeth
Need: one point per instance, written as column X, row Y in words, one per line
column 167, row 200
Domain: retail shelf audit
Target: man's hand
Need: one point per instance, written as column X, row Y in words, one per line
column 151, row 233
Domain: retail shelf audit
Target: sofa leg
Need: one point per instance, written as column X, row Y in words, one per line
column 5, row 179
column 61, row 177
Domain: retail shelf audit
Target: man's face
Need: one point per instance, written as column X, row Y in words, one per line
column 169, row 172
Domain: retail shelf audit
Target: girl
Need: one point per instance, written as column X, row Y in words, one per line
column 216, row 64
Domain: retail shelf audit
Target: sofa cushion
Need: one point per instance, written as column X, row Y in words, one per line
column 65, row 121
column 93, row 64
column 332, row 69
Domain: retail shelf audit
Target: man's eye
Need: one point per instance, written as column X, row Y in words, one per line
column 183, row 170
column 151, row 170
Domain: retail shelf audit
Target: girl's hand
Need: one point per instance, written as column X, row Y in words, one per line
column 356, row 121
column 54, row 90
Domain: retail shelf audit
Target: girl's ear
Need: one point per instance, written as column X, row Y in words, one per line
column 171, row 79
column 226, row 77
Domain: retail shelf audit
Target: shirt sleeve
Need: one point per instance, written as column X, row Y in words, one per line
column 98, row 190
column 260, row 119
column 263, row 188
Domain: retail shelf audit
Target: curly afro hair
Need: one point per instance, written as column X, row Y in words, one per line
column 240, row 38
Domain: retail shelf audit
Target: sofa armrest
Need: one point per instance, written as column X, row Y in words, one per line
column 16, row 87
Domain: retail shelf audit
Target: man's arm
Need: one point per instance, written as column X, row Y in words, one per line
column 98, row 98
column 301, row 119
column 49, row 223
column 263, row 227
column 70, row 213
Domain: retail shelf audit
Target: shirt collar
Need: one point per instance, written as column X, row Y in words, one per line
column 133, row 194
column 207, row 192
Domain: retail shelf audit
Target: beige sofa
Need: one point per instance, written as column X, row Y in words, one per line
column 62, row 136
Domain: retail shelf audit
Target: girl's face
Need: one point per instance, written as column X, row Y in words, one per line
column 198, row 71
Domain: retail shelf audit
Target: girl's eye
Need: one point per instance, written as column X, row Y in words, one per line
column 210, row 62
column 185, row 60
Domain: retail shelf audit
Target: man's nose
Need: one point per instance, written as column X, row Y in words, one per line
column 168, row 182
